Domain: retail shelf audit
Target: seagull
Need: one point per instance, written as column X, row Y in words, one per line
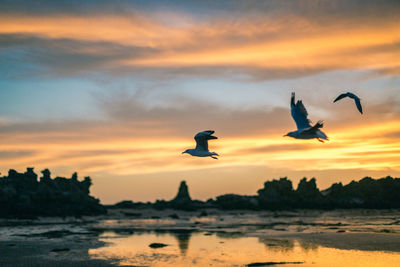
column 304, row 128
column 351, row 95
column 201, row 149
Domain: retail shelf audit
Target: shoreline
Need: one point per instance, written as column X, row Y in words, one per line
column 62, row 242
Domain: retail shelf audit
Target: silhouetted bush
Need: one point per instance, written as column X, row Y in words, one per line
column 22, row 196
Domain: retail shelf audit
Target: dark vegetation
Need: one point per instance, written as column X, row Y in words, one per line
column 279, row 194
column 23, row 196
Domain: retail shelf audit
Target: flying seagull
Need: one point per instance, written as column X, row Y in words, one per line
column 304, row 128
column 351, row 95
column 201, row 149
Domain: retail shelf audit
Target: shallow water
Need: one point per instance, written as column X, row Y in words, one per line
column 216, row 238
column 212, row 249
column 267, row 222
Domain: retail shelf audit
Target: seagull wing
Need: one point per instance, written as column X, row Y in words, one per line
column 202, row 139
column 353, row 96
column 358, row 104
column 299, row 113
column 340, row 97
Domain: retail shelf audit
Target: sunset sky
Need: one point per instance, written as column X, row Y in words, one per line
column 117, row 89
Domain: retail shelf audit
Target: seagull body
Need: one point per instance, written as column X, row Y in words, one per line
column 304, row 128
column 201, row 149
column 353, row 96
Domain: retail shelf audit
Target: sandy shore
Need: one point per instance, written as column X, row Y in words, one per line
column 55, row 242
column 26, row 253
column 356, row 241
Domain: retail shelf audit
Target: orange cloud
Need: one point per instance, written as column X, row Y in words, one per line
column 249, row 43
column 348, row 148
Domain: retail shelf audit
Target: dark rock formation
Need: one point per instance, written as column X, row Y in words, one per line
column 23, row 196
column 182, row 200
column 308, row 194
column 268, row 263
column 233, row 201
column 183, row 194
column 279, row 194
column 157, row 245
column 381, row 193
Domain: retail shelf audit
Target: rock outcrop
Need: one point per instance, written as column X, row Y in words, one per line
column 23, row 196
column 183, row 194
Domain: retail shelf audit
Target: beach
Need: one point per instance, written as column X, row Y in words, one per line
column 205, row 238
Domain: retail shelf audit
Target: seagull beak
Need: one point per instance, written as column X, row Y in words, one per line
column 183, row 152
column 285, row 135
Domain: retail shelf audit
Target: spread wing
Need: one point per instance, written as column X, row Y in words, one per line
column 202, row 139
column 353, row 96
column 340, row 97
column 299, row 113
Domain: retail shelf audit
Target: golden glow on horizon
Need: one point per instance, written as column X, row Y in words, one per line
column 348, row 148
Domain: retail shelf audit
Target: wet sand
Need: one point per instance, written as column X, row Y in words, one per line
column 114, row 239
column 357, row 241
column 26, row 253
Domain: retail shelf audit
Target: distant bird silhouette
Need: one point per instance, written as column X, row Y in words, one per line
column 304, row 128
column 201, row 149
column 351, row 95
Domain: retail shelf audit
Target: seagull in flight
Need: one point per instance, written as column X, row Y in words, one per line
column 351, row 95
column 201, row 149
column 304, row 128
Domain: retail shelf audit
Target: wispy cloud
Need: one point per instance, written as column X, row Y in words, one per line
column 135, row 138
column 260, row 46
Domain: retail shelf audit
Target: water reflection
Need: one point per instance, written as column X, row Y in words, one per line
column 183, row 238
column 187, row 248
column 277, row 244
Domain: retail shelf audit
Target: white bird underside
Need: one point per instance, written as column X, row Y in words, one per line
column 201, row 149
column 304, row 128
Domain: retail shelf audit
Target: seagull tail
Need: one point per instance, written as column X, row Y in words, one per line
column 319, row 124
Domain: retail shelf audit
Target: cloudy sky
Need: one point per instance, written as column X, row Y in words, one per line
column 117, row 89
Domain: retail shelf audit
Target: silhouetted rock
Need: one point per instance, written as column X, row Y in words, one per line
column 157, row 245
column 183, row 193
column 182, row 200
column 277, row 194
column 129, row 204
column 381, row 193
column 132, row 214
column 268, row 263
column 60, row 250
column 233, row 201
column 22, row 196
column 308, row 194
column 202, row 214
column 174, row 216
